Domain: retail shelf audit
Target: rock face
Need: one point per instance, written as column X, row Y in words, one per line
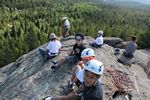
column 114, row 42
column 31, row 78
column 142, row 58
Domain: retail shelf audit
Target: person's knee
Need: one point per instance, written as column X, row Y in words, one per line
column 62, row 60
column 78, row 67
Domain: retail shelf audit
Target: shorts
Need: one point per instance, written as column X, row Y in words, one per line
column 47, row 55
column 128, row 55
column 95, row 45
column 66, row 29
column 71, row 59
column 79, row 74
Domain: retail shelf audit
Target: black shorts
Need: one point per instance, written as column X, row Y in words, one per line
column 128, row 55
column 66, row 29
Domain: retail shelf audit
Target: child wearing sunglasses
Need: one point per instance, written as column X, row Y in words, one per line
column 75, row 54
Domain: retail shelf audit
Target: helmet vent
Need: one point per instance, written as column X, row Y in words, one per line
column 87, row 52
column 92, row 67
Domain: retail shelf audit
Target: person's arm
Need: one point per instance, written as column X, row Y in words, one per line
column 47, row 50
column 126, row 44
column 71, row 51
column 60, row 46
column 48, row 47
column 93, row 98
column 71, row 96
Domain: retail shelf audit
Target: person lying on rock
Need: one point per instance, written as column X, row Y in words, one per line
column 91, row 88
column 131, row 47
column 98, row 41
column 77, row 72
column 53, row 47
column 75, row 54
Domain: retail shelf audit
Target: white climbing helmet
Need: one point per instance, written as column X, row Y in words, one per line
column 95, row 66
column 100, row 32
column 88, row 52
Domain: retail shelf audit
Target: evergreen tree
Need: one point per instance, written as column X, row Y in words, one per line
column 144, row 40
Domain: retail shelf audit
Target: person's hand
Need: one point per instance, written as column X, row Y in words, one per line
column 77, row 50
column 48, row 98
column 70, row 52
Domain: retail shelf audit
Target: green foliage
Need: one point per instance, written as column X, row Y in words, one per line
column 25, row 24
column 144, row 40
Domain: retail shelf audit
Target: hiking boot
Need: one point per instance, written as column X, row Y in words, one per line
column 66, row 35
column 70, row 85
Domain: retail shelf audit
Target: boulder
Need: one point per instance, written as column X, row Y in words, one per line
column 31, row 78
column 142, row 58
column 113, row 41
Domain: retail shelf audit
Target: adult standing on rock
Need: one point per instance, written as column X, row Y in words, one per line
column 65, row 26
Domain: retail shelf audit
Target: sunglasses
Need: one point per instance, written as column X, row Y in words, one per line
column 78, row 39
column 87, row 58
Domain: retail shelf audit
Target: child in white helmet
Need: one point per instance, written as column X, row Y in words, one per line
column 77, row 72
column 99, row 40
column 91, row 88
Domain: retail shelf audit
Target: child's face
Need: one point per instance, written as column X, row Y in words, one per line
column 89, row 78
column 78, row 40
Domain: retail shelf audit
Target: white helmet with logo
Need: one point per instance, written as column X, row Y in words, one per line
column 87, row 52
column 95, row 67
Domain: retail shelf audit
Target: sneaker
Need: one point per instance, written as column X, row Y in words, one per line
column 54, row 62
column 47, row 98
column 70, row 85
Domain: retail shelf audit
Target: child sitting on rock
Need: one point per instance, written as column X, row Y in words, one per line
column 52, row 48
column 98, row 41
column 131, row 47
column 75, row 54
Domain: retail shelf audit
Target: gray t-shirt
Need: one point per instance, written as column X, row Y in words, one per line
column 92, row 93
column 130, row 48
